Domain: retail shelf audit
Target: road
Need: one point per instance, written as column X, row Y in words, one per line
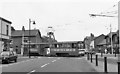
column 50, row 64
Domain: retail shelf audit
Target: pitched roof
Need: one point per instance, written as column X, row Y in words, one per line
column 5, row 20
column 98, row 36
column 103, row 42
column 26, row 32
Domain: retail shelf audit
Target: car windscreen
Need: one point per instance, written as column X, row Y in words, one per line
column 4, row 54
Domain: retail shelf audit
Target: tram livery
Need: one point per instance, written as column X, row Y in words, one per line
column 65, row 48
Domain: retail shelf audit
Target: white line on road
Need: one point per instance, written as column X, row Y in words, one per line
column 44, row 65
column 53, row 60
column 31, row 72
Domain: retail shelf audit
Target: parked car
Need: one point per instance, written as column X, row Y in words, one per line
column 8, row 56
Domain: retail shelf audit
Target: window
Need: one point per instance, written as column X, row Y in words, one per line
column 25, row 39
column 7, row 30
column 32, row 46
column 55, row 45
column 108, row 40
column 116, row 39
column 74, row 45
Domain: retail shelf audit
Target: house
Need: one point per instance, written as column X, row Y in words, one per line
column 20, row 37
column 108, row 40
column 94, row 43
column 87, row 40
column 102, row 46
column 5, row 33
column 106, row 43
column 115, row 38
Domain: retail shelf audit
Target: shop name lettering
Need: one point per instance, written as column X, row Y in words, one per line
column 63, row 49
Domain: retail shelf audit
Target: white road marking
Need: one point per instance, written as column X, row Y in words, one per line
column 31, row 72
column 53, row 60
column 44, row 65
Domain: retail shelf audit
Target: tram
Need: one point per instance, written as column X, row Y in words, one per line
column 70, row 48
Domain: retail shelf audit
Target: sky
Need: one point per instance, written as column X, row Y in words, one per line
column 69, row 18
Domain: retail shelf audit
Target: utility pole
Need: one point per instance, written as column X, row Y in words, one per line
column 30, row 35
column 111, row 38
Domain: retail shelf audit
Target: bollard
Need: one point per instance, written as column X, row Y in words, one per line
column 105, row 64
column 101, row 54
column 88, row 56
column 96, row 60
column 91, row 57
column 118, row 67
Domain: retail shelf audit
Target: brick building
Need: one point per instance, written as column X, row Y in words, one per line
column 19, row 37
column 5, row 34
column 115, row 41
column 96, row 41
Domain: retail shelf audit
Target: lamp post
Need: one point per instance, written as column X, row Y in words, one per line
column 29, row 33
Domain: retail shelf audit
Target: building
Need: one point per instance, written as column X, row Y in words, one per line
column 87, row 40
column 106, row 43
column 115, row 41
column 47, row 39
column 5, row 34
column 96, row 41
column 20, row 37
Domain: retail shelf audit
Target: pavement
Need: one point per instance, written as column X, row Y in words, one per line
column 111, row 63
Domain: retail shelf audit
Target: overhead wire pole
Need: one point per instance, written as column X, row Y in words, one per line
column 111, row 38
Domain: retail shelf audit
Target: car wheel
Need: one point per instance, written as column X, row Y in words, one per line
column 15, row 60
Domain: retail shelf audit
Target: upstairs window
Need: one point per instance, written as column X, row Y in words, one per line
column 116, row 39
column 25, row 39
column 108, row 40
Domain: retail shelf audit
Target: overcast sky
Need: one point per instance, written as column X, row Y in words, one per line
column 69, row 18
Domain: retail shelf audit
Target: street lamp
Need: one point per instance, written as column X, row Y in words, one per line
column 29, row 33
